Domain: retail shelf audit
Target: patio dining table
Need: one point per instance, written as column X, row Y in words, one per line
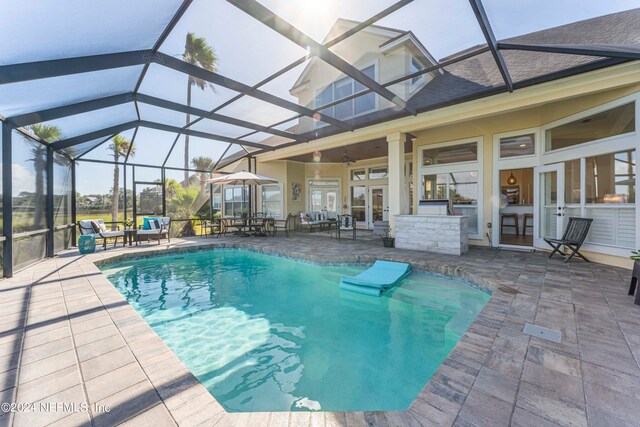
column 245, row 225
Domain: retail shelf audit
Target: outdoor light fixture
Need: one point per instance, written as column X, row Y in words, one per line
column 317, row 156
column 512, row 180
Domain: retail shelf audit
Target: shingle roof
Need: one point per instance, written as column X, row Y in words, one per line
column 480, row 74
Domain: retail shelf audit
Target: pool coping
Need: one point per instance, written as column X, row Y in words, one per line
column 493, row 346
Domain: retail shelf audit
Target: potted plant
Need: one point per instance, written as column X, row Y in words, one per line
column 635, row 256
column 387, row 240
column 244, row 214
column 128, row 224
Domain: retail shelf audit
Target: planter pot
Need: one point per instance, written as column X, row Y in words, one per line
column 388, row 242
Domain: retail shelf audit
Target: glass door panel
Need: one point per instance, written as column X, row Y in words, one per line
column 378, row 205
column 359, row 205
column 549, row 203
column 331, row 199
column 315, row 200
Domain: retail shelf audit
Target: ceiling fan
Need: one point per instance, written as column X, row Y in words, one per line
column 346, row 159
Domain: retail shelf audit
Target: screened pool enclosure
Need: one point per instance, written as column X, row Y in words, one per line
column 120, row 109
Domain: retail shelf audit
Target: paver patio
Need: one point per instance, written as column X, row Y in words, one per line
column 68, row 336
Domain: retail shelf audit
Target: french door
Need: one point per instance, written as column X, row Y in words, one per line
column 549, row 203
column 378, row 204
column 324, row 199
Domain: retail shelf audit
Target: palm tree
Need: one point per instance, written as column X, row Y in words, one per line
column 196, row 52
column 120, row 147
column 202, row 163
column 50, row 134
column 184, row 201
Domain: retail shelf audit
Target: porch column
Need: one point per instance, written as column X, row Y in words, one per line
column 395, row 171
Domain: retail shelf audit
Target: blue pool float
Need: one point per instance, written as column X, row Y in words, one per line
column 377, row 279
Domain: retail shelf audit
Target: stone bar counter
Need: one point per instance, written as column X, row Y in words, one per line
column 441, row 234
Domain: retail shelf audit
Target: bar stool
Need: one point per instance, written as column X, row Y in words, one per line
column 515, row 225
column 525, row 225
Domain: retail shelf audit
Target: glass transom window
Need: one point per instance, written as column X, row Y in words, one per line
column 452, row 154
column 378, row 173
column 514, row 146
column 343, row 88
column 616, row 121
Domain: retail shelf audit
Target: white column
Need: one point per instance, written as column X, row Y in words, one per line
column 396, row 196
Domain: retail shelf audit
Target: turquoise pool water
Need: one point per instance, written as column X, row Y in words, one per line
column 264, row 333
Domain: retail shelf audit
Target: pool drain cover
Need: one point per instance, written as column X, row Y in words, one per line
column 542, row 332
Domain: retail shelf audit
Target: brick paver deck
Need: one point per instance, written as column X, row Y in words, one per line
column 67, row 336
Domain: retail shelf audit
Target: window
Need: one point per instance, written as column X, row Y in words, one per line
column 343, row 88
column 377, row 173
column 233, row 204
column 450, row 154
column 461, row 187
column 358, row 175
column 271, row 200
column 414, row 67
column 611, row 178
column 358, row 202
column 606, row 183
column 616, row 121
column 572, row 182
column 514, row 146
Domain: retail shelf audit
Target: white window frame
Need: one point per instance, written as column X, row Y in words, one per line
column 537, row 149
column 609, row 145
column 420, row 80
column 478, row 139
column 282, row 196
column 311, row 187
column 595, row 145
column 233, row 187
column 477, row 165
column 376, row 107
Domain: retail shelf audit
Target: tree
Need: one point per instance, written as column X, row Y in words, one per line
column 196, row 52
column 170, row 186
column 120, row 147
column 184, row 201
column 202, row 163
column 50, row 134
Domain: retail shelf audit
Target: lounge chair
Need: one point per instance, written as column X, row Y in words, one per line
column 377, row 279
column 98, row 229
column 156, row 228
column 573, row 238
column 347, row 225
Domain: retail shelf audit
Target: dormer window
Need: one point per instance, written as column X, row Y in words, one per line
column 343, row 88
column 414, row 67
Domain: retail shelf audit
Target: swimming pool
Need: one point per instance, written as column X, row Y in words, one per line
column 264, row 333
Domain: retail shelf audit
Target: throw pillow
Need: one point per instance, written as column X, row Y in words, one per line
column 154, row 224
column 96, row 227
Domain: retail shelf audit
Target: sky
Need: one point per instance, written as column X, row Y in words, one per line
column 247, row 51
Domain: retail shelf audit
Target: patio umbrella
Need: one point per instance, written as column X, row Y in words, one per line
column 243, row 178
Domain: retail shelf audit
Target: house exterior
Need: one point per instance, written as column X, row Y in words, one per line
column 555, row 147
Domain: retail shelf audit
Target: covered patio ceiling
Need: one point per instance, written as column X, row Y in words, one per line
column 352, row 153
column 97, row 69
